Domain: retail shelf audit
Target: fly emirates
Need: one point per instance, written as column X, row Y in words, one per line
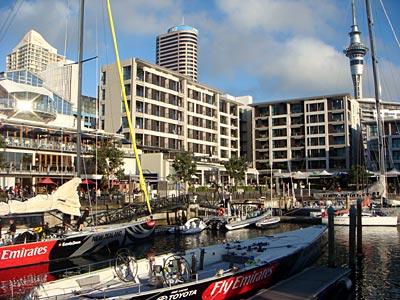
column 23, row 252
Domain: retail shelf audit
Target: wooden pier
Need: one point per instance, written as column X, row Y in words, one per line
column 313, row 283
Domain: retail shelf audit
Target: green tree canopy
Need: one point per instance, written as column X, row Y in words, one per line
column 358, row 175
column 236, row 167
column 185, row 168
column 109, row 160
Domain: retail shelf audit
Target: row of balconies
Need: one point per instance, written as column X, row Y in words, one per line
column 44, row 144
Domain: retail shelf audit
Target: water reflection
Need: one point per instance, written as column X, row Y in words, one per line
column 377, row 272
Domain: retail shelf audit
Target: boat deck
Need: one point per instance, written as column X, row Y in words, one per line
column 169, row 272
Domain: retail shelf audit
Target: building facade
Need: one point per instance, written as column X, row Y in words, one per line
column 310, row 134
column 177, row 50
column 33, row 54
column 171, row 113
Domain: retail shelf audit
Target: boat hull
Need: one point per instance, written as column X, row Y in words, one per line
column 393, row 202
column 366, row 220
column 268, row 223
column 192, row 226
column 92, row 240
column 247, row 222
column 232, row 270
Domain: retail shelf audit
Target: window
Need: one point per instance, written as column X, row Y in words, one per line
column 337, row 104
column 338, row 140
column 139, row 123
column 127, row 89
column 139, row 107
column 337, row 117
column 295, row 108
column 139, row 91
column 316, row 118
column 127, row 72
column 338, row 128
column 396, row 143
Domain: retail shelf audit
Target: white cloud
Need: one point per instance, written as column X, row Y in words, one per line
column 277, row 45
column 266, row 48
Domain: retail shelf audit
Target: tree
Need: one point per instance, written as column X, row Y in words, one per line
column 109, row 159
column 358, row 175
column 185, row 168
column 236, row 167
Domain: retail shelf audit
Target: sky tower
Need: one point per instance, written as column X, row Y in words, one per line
column 356, row 52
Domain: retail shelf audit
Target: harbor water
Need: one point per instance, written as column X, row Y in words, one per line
column 377, row 274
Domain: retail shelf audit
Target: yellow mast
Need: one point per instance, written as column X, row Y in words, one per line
column 128, row 113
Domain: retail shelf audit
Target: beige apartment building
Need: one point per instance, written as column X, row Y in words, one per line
column 33, row 54
column 306, row 134
column 171, row 113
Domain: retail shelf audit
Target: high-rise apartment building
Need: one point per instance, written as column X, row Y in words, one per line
column 177, row 50
column 33, row 54
column 168, row 111
column 318, row 133
column 170, row 114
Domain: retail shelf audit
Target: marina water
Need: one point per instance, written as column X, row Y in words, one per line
column 377, row 274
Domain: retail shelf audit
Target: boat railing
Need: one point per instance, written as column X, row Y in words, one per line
column 85, row 269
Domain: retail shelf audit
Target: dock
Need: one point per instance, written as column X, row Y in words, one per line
column 313, row 283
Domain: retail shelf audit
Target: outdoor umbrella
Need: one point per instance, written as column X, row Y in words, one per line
column 38, row 131
column 9, row 128
column 87, row 137
column 56, row 133
column 47, row 181
column 88, row 181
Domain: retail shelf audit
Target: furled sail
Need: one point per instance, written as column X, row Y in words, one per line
column 64, row 199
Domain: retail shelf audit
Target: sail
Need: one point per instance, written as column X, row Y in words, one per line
column 64, row 199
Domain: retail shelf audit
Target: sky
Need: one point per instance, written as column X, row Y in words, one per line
column 268, row 49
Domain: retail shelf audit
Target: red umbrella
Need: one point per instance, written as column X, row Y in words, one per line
column 46, row 181
column 87, row 181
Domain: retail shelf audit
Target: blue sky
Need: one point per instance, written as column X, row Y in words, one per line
column 269, row 49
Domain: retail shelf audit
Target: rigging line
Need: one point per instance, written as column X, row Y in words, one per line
column 128, row 112
column 63, row 77
column 4, row 28
column 390, row 24
column 97, row 107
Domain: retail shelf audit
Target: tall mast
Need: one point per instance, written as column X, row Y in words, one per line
column 79, row 103
column 356, row 52
column 377, row 87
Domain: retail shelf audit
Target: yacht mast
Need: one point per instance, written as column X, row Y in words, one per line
column 79, row 103
column 377, row 87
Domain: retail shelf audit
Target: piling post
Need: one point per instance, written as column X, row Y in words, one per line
column 331, row 237
column 359, row 228
column 202, row 253
column 352, row 236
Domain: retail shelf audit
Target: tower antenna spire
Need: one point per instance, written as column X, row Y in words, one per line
column 356, row 52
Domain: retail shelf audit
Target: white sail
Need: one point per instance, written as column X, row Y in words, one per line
column 64, row 199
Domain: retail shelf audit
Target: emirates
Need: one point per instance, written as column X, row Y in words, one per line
column 21, row 253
